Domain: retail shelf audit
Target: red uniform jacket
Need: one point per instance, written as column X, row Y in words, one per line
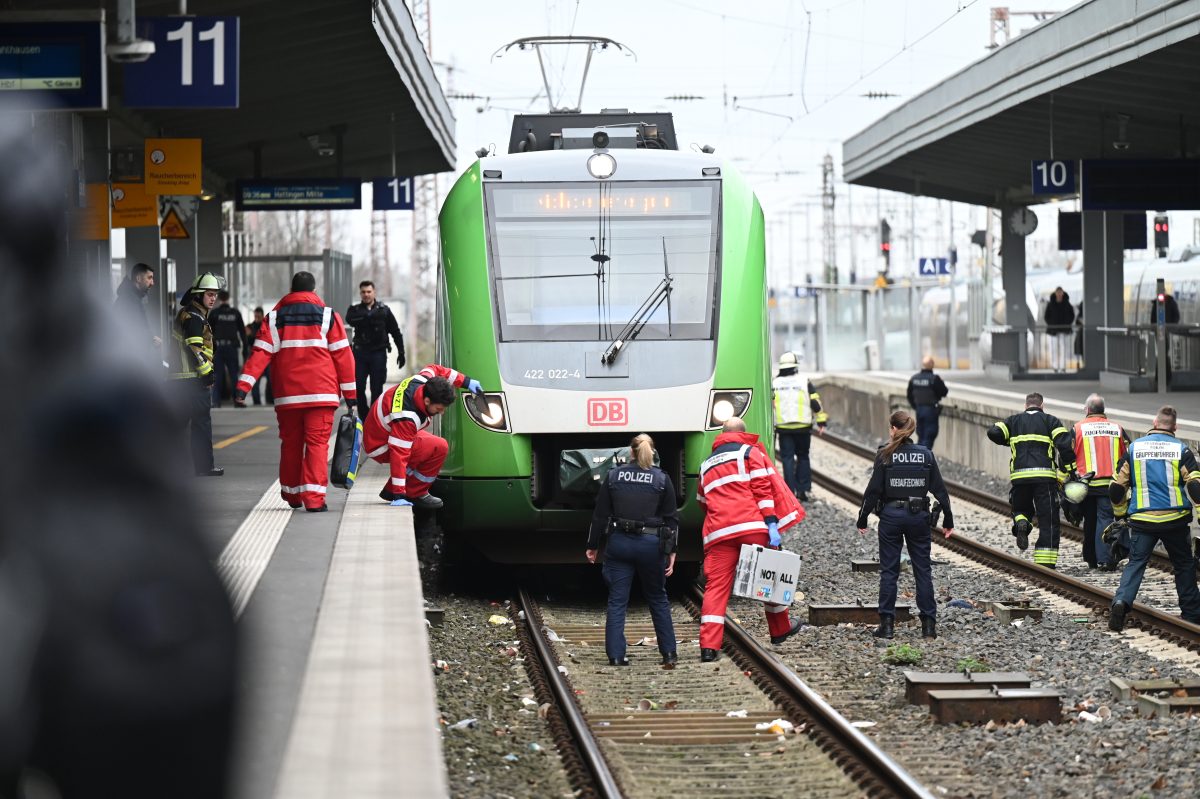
column 399, row 414
column 741, row 490
column 305, row 344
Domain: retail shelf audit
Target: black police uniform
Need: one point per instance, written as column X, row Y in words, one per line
column 372, row 326
column 898, row 493
column 925, row 392
column 636, row 509
column 229, row 337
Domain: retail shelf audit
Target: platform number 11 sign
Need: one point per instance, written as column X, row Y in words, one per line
column 195, row 64
column 392, row 194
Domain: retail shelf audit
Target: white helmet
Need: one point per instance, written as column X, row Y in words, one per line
column 788, row 360
column 1076, row 490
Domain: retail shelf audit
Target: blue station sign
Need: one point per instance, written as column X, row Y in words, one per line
column 1054, row 177
column 314, row 194
column 44, row 65
column 392, row 194
column 195, row 64
column 931, row 267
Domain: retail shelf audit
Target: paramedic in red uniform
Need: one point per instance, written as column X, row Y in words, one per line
column 394, row 433
column 746, row 502
column 312, row 368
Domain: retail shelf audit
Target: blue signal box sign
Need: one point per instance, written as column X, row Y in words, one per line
column 392, row 194
column 1054, row 177
column 49, row 64
column 314, row 194
column 931, row 267
column 195, row 64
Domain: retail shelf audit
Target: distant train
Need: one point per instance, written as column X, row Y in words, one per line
column 583, row 280
column 1182, row 277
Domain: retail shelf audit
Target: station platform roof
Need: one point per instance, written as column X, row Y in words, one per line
column 308, row 67
column 1055, row 91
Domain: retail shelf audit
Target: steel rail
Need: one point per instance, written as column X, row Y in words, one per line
column 872, row 769
column 604, row 783
column 991, row 502
column 1155, row 622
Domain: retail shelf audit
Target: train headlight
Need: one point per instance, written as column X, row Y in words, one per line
column 724, row 405
column 601, row 166
column 490, row 412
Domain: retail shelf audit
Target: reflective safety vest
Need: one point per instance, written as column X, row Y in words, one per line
column 793, row 402
column 1099, row 446
column 1155, row 480
column 192, row 355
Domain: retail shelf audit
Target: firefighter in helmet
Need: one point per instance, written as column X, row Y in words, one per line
column 191, row 362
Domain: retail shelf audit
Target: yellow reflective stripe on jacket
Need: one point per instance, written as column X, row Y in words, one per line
column 398, row 397
column 1056, row 432
column 1024, row 474
column 1003, row 428
column 1030, row 437
column 1160, row 516
column 194, row 340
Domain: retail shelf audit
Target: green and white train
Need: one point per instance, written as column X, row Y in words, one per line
column 600, row 283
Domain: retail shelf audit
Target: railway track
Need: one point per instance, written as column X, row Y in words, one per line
column 696, row 727
column 1152, row 620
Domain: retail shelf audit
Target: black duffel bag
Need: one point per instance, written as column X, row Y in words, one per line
column 347, row 451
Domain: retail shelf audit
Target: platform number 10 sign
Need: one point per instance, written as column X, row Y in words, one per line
column 195, row 64
column 1054, row 177
column 392, row 194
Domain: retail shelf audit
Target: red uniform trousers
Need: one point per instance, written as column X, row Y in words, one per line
column 304, row 454
column 425, row 460
column 720, row 566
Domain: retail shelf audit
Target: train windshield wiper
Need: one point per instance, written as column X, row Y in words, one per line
column 645, row 311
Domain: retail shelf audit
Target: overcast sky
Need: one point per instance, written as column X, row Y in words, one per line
column 780, row 83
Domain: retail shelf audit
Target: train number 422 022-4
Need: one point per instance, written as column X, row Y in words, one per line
column 551, row 374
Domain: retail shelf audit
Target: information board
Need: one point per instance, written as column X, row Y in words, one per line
column 49, row 64
column 1140, row 185
column 314, row 194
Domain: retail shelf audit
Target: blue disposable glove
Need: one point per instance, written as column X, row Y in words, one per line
column 474, row 386
column 400, row 503
column 773, row 534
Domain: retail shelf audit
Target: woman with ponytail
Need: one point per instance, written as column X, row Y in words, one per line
column 635, row 511
column 905, row 474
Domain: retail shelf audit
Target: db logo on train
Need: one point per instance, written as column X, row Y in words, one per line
column 607, row 411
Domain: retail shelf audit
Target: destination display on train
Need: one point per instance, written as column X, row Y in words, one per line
column 649, row 200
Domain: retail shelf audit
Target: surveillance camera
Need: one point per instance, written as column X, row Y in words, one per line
column 130, row 52
column 326, row 150
column 1120, row 145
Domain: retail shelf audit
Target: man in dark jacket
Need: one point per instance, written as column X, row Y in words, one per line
column 925, row 393
column 1170, row 317
column 373, row 323
column 1060, row 315
column 131, row 302
column 229, row 337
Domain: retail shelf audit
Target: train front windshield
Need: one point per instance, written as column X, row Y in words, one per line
column 577, row 261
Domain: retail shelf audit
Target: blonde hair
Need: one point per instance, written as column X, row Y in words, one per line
column 905, row 425
column 642, row 449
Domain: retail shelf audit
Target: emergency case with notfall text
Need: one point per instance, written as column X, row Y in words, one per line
column 766, row 575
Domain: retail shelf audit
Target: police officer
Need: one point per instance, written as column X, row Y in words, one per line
column 797, row 409
column 925, row 393
column 1157, row 467
column 905, row 473
column 1033, row 436
column 191, row 363
column 252, row 331
column 373, row 323
column 229, row 336
column 636, row 509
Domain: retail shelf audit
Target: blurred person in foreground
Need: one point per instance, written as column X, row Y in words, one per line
column 117, row 672
column 636, row 517
column 304, row 341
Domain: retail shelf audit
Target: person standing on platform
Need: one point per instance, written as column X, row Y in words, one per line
column 905, row 474
column 1033, row 437
column 1162, row 478
column 191, row 368
column 797, row 409
column 373, row 323
column 1099, row 444
column 394, row 432
column 252, row 336
column 229, row 337
column 304, row 342
column 925, row 393
column 635, row 513
column 1060, row 315
column 743, row 504
column 130, row 304
column 1170, row 317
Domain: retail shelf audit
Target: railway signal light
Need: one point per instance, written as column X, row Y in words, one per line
column 885, row 242
column 1162, row 232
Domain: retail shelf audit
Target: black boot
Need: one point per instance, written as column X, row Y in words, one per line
column 1021, row 529
column 709, row 655
column 1116, row 616
column 928, row 627
column 621, row 662
column 670, row 658
column 886, row 628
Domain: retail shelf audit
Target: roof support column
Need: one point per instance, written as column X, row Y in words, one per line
column 1012, row 265
column 1103, row 282
column 93, row 258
